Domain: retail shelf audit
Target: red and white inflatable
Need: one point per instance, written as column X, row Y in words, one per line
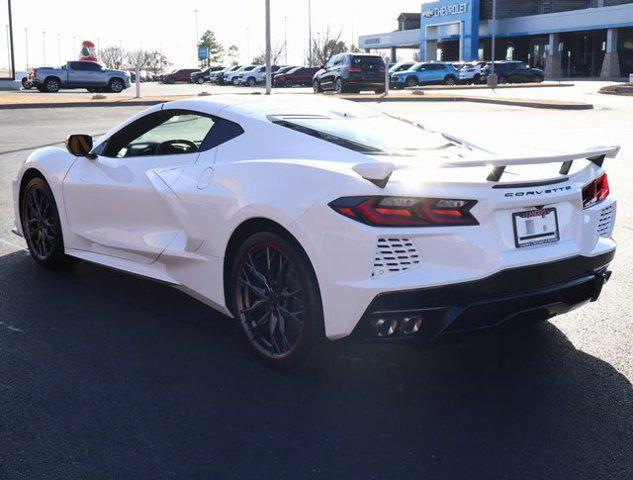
column 88, row 51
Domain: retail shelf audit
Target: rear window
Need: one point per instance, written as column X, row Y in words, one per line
column 378, row 135
column 368, row 61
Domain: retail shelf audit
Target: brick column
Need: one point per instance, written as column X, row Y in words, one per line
column 552, row 65
column 611, row 62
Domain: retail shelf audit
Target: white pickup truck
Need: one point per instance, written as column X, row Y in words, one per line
column 80, row 74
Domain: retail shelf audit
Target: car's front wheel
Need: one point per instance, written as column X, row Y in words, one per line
column 200, row 80
column 450, row 80
column 277, row 302
column 116, row 85
column 412, row 82
column 338, row 86
column 40, row 223
column 316, row 86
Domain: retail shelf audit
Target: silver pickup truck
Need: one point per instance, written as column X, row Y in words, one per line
column 77, row 74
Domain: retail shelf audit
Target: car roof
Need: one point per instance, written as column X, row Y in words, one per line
column 261, row 106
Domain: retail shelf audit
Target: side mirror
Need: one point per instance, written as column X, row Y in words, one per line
column 80, row 145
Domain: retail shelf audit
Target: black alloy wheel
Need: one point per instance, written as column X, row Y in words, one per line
column 276, row 301
column 41, row 224
column 52, row 85
column 412, row 82
column 316, row 87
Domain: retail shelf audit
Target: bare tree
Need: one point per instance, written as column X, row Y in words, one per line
column 276, row 54
column 156, row 61
column 137, row 59
column 325, row 45
column 112, row 57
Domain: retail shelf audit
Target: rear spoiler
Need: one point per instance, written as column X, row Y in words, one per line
column 379, row 172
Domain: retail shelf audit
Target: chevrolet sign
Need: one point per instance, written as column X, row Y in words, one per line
column 446, row 11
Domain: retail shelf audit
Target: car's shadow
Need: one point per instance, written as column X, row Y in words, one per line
column 104, row 375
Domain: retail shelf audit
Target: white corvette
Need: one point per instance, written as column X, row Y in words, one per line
column 308, row 218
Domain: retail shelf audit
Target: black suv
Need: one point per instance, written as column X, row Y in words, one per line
column 512, row 71
column 203, row 76
column 351, row 72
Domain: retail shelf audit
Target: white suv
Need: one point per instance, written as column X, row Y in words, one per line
column 234, row 77
column 472, row 72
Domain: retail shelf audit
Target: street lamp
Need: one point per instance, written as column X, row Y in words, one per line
column 492, row 78
column 26, row 43
column 285, row 40
column 197, row 37
column 268, row 66
column 310, row 32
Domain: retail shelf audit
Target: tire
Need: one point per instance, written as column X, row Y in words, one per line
column 41, row 225
column 503, row 80
column 412, row 82
column 200, row 81
column 26, row 85
column 316, row 87
column 273, row 287
column 450, row 80
column 538, row 79
column 91, row 89
column 477, row 79
column 288, row 83
column 379, row 91
column 251, row 82
column 116, row 85
column 235, row 81
column 52, row 85
column 338, row 86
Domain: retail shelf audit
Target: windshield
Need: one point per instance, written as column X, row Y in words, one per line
column 379, row 135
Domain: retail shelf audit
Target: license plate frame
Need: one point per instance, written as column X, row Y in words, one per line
column 542, row 231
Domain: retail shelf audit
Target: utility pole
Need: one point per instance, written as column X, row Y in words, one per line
column 59, row 48
column 248, row 45
column 268, row 65
column 310, row 32
column 6, row 27
column 26, row 43
column 197, row 36
column 492, row 78
column 352, row 21
column 285, row 40
column 44, row 47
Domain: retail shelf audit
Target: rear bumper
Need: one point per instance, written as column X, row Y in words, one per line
column 537, row 292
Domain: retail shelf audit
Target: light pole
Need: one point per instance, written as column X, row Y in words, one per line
column 492, row 78
column 285, row 40
column 197, row 37
column 26, row 44
column 44, row 47
column 59, row 48
column 8, row 45
column 268, row 66
column 248, row 44
column 310, row 32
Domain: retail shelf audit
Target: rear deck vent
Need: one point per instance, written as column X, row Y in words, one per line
column 394, row 255
column 606, row 221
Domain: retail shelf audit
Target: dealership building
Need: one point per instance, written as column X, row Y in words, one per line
column 566, row 38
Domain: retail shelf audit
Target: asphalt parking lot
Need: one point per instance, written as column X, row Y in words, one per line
column 104, row 375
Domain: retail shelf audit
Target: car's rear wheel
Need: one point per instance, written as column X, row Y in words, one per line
column 288, row 83
column 538, row 79
column 503, row 80
column 52, row 85
column 40, row 223
column 412, row 82
column 276, row 300
column 251, row 82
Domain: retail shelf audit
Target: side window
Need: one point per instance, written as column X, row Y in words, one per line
column 76, row 66
column 168, row 132
column 93, row 67
column 332, row 61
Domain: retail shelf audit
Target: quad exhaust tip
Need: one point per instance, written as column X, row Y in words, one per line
column 389, row 327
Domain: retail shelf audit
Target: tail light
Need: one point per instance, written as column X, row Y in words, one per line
column 382, row 69
column 406, row 211
column 354, row 69
column 596, row 191
column 34, row 73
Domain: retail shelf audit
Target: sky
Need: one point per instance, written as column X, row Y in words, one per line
column 171, row 26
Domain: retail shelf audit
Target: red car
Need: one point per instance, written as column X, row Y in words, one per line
column 180, row 75
column 296, row 76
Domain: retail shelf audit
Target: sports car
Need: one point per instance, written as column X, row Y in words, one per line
column 311, row 219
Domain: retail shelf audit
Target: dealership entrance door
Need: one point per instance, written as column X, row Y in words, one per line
column 443, row 42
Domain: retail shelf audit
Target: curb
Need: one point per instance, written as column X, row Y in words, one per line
column 505, row 86
column 548, row 105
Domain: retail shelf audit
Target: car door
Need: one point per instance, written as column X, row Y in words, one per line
column 327, row 78
column 94, row 74
column 116, row 203
column 77, row 76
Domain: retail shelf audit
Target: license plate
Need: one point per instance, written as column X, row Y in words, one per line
column 535, row 227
